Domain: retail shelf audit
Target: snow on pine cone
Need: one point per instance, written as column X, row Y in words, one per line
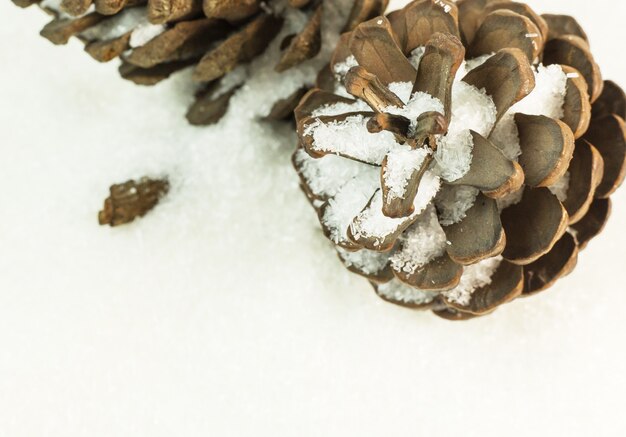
column 453, row 155
column 217, row 38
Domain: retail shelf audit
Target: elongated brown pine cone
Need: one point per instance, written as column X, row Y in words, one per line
column 156, row 38
column 460, row 155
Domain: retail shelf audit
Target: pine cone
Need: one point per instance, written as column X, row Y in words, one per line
column 453, row 156
column 156, row 38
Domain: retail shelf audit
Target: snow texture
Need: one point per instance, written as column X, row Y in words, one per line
column 350, row 137
column 473, row 110
column 348, row 203
column 474, row 277
column 415, row 104
column 454, row 154
column 367, row 261
column 372, row 223
column 341, row 68
column 471, row 64
column 546, row 99
column 225, row 312
column 423, row 242
column 416, row 56
column 325, row 176
column 454, row 202
column 560, row 187
column 511, row 199
column 401, row 165
column 400, row 292
column 341, row 108
column 232, row 80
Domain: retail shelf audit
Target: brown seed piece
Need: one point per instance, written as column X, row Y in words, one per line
column 131, row 199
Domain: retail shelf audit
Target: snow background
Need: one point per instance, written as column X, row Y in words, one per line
column 225, row 312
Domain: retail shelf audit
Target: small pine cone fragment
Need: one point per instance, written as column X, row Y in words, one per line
column 461, row 154
column 156, row 38
column 132, row 199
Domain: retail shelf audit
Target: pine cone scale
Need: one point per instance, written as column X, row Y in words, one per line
column 545, row 271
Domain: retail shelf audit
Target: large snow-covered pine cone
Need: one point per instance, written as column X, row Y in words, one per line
column 460, row 155
column 155, row 38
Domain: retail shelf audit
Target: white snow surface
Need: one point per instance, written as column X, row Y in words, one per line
column 224, row 312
